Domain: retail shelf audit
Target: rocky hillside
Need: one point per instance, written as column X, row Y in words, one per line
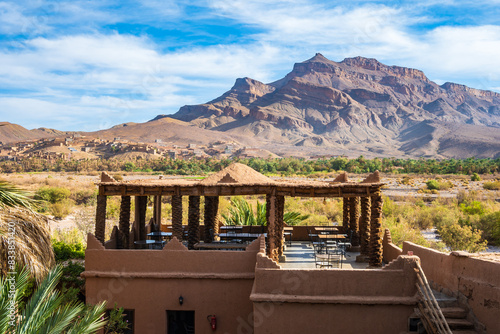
column 10, row 133
column 358, row 105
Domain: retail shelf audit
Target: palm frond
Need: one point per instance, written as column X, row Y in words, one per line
column 30, row 233
column 14, row 197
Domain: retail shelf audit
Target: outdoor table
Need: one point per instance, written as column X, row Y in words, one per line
column 328, row 237
column 152, row 244
column 159, row 235
column 243, row 236
column 326, row 229
column 287, row 234
column 219, row 246
column 231, row 228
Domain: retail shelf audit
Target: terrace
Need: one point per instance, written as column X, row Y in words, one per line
column 362, row 204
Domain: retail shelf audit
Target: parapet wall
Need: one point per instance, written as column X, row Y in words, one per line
column 150, row 282
column 333, row 300
column 478, row 280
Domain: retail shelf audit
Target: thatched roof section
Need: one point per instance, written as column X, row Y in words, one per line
column 237, row 173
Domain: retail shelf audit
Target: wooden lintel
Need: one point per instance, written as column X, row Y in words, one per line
column 102, row 190
column 142, row 191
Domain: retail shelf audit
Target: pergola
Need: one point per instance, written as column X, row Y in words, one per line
column 362, row 205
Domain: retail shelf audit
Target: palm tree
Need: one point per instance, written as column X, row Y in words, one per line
column 45, row 312
column 25, row 232
column 241, row 213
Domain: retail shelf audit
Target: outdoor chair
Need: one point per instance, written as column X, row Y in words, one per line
column 327, row 260
column 346, row 244
column 315, row 242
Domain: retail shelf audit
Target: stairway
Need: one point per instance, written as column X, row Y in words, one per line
column 455, row 316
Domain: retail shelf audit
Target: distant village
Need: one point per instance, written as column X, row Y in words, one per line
column 79, row 147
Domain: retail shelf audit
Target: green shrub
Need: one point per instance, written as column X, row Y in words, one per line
column 490, row 225
column 475, row 177
column 493, row 185
column 61, row 209
column 432, row 184
column 439, row 185
column 472, row 208
column 462, row 238
column 52, row 194
column 64, row 251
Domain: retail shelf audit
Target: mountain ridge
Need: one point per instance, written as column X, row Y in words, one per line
column 358, row 101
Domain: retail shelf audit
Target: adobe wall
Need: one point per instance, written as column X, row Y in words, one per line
column 151, row 281
column 332, row 300
column 476, row 279
column 390, row 251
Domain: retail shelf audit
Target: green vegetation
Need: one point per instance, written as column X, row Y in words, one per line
column 475, row 177
column 64, row 251
column 494, row 185
column 241, row 213
column 45, row 311
column 439, row 185
column 285, row 166
column 116, row 323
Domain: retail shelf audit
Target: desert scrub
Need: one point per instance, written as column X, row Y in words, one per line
column 475, row 177
column 64, row 251
column 493, row 185
column 463, row 238
column 61, row 209
column 439, row 185
column 52, row 194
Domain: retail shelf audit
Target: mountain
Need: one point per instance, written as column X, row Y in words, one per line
column 10, row 133
column 167, row 129
column 356, row 106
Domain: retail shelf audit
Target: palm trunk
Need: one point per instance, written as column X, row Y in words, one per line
column 375, row 232
column 211, row 209
column 177, row 217
column 193, row 221
column 124, row 222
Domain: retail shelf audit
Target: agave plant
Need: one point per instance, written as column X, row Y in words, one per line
column 241, row 213
column 45, row 312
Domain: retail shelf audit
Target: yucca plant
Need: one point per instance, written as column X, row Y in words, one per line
column 45, row 312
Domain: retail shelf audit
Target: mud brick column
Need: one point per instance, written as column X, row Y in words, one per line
column 100, row 218
column 193, row 221
column 345, row 213
column 177, row 217
column 375, row 231
column 211, row 209
column 271, row 228
column 364, row 229
column 354, row 221
column 279, row 224
column 141, row 203
column 124, row 223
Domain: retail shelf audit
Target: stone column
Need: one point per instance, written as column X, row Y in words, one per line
column 177, row 217
column 193, row 221
column 211, row 209
column 124, row 223
column 141, row 203
column 364, row 229
column 279, row 224
column 100, row 218
column 375, row 231
column 354, row 220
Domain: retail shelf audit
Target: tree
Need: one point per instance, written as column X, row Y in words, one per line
column 45, row 312
column 23, row 233
column 241, row 213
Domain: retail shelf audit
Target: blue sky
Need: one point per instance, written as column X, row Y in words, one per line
column 89, row 65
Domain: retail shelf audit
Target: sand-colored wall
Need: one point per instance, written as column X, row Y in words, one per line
column 151, row 281
column 390, row 251
column 478, row 280
column 332, row 300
